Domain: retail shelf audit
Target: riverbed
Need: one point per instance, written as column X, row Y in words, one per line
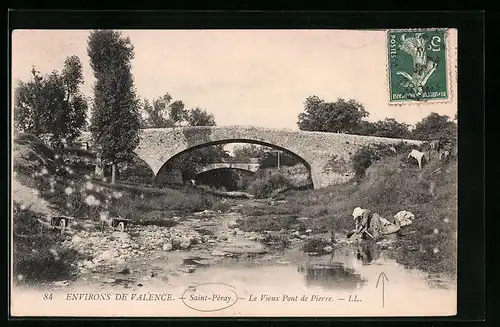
column 227, row 272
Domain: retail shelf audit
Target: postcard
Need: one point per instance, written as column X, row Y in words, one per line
column 234, row 173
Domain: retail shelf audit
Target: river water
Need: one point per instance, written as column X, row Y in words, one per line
column 350, row 281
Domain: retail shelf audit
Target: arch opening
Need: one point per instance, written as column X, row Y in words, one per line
column 225, row 179
column 167, row 166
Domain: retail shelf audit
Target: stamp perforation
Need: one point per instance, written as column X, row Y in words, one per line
column 451, row 66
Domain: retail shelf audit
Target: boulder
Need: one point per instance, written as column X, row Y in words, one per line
column 185, row 243
column 167, row 247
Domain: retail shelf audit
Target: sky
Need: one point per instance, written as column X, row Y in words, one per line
column 242, row 77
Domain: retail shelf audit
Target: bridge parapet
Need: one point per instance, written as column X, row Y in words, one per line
column 315, row 149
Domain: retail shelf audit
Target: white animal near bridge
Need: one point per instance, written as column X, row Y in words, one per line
column 418, row 156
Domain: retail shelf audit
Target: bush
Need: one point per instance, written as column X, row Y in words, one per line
column 367, row 155
column 264, row 186
column 362, row 159
column 39, row 257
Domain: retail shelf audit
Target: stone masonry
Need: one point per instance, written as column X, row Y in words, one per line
column 315, row 149
column 251, row 167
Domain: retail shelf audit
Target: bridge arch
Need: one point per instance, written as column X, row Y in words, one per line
column 247, row 167
column 157, row 146
column 228, row 141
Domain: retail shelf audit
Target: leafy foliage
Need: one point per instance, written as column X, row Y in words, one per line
column 362, row 159
column 163, row 113
column 247, row 153
column 435, row 126
column 265, row 185
column 39, row 257
column 115, row 118
column 390, row 127
column 337, row 117
column 266, row 156
column 200, row 117
column 52, row 104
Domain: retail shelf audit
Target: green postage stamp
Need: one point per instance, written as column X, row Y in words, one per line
column 417, row 65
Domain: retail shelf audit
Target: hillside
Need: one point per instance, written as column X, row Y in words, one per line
column 390, row 186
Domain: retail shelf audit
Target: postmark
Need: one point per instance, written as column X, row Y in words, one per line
column 417, row 66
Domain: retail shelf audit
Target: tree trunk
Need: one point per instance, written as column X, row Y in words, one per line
column 99, row 167
column 113, row 173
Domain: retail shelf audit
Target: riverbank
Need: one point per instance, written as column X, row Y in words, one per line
column 429, row 243
column 146, row 257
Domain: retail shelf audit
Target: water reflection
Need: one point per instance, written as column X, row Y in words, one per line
column 331, row 275
column 367, row 251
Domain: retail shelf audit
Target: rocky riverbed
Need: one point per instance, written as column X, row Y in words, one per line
column 148, row 255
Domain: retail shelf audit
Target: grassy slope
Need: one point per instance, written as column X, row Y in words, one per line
column 429, row 243
column 41, row 182
column 387, row 189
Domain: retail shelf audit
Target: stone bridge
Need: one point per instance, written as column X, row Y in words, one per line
column 252, row 167
column 314, row 149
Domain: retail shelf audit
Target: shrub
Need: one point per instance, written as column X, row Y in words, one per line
column 264, row 186
column 39, row 257
column 337, row 164
column 362, row 159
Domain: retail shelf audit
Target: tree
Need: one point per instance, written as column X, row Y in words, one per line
column 115, row 122
column 200, row 117
column 435, row 126
column 178, row 113
column 52, row 104
column 156, row 115
column 163, row 113
column 390, row 127
column 338, row 117
column 365, row 128
column 198, row 157
column 174, row 115
column 266, row 156
column 245, row 153
column 270, row 159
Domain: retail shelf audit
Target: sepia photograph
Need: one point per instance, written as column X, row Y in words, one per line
column 223, row 173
